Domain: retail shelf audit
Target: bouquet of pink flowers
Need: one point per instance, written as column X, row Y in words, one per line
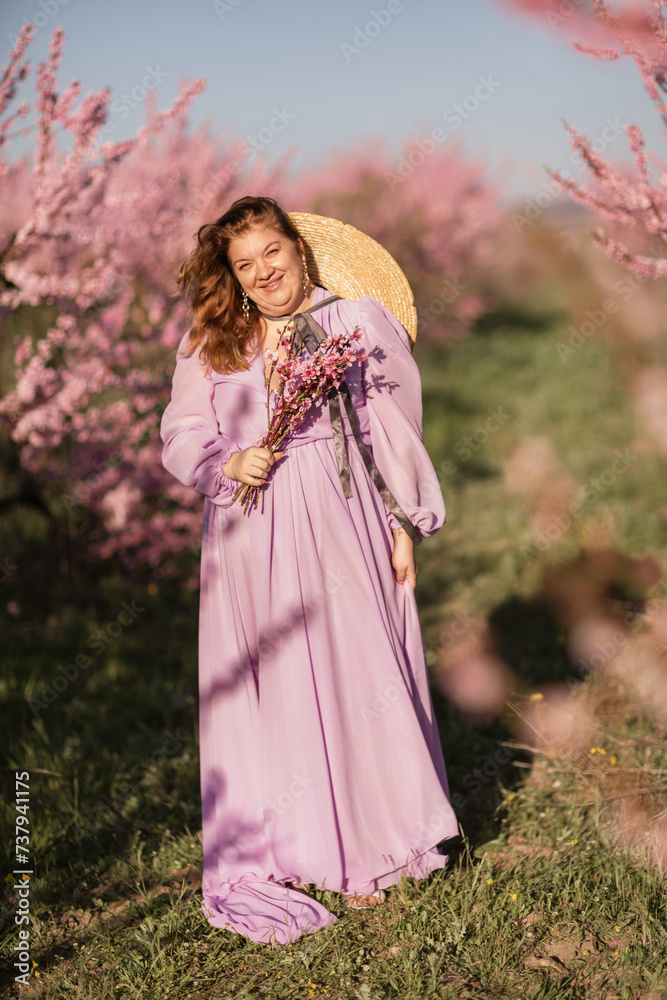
column 300, row 384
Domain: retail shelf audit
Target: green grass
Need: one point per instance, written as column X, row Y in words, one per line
column 541, row 902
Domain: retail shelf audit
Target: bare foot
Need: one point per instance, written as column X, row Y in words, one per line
column 359, row 901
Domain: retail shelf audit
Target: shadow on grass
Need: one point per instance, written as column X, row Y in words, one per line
column 108, row 738
column 120, row 737
column 531, row 636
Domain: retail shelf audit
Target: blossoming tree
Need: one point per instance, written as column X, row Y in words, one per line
column 636, row 202
column 91, row 236
column 94, row 236
column 633, row 201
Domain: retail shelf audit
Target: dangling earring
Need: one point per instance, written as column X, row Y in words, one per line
column 306, row 278
column 245, row 308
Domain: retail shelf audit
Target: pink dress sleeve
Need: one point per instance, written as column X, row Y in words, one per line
column 392, row 389
column 194, row 449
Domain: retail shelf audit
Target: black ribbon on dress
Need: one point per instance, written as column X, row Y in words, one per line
column 309, row 334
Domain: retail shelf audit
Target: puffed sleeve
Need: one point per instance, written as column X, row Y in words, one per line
column 194, row 449
column 392, row 390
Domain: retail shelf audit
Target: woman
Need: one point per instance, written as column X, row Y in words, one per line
column 320, row 758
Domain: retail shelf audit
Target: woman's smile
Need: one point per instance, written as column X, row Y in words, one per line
column 274, row 284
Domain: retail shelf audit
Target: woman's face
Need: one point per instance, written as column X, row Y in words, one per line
column 270, row 269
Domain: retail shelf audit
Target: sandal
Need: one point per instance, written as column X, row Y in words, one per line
column 361, row 901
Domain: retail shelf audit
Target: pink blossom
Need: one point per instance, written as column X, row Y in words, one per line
column 300, row 385
column 627, row 197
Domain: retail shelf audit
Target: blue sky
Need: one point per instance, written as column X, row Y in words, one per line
column 340, row 71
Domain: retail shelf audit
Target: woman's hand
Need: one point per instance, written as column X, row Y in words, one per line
column 251, row 465
column 403, row 558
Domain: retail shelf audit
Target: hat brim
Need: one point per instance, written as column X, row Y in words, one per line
column 351, row 264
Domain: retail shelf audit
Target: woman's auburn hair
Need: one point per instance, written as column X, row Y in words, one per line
column 213, row 293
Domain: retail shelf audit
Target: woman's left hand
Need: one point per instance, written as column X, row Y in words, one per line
column 403, row 559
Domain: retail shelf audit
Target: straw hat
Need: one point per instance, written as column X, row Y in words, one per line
column 351, row 264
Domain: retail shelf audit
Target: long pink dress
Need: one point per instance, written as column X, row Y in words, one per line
column 320, row 757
